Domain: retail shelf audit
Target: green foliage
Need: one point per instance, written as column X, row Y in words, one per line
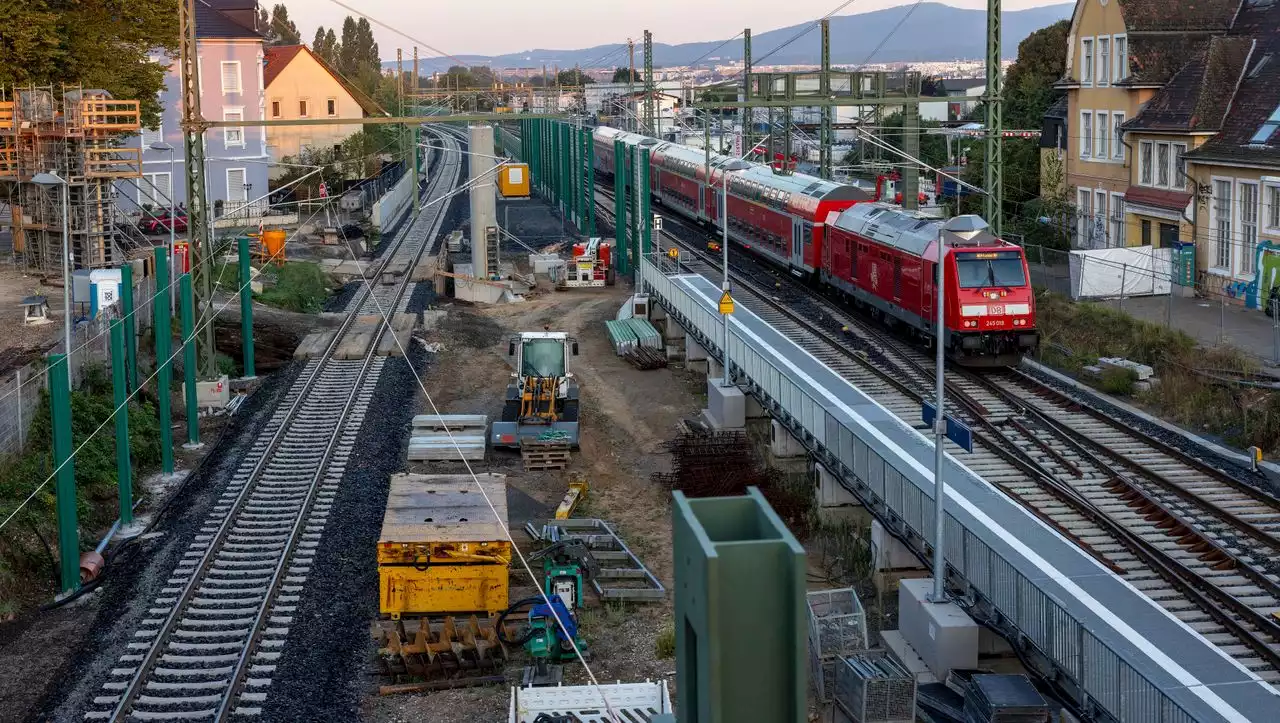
column 24, row 543
column 299, row 286
column 359, row 156
column 665, row 646
column 280, row 30
column 1118, row 381
column 620, row 75
column 355, row 56
column 93, row 43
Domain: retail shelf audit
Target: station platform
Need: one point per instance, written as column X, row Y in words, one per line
column 1130, row 659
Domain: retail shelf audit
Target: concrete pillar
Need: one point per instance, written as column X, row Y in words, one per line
column 484, row 199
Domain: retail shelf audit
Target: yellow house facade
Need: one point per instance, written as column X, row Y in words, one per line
column 301, row 85
column 1237, row 174
column 1120, row 54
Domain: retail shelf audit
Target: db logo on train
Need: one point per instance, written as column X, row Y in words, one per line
column 996, row 310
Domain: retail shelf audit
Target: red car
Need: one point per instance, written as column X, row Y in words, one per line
column 160, row 223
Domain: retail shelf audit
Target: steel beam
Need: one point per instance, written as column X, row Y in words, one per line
column 620, row 206
column 911, row 146
column 650, row 117
column 164, row 367
column 198, row 220
column 994, row 101
column 377, row 120
column 824, row 134
column 64, row 462
column 120, row 397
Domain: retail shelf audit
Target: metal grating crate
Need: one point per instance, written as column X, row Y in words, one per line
column 837, row 623
column 873, row 688
column 822, row 673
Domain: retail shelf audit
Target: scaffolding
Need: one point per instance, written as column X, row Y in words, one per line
column 80, row 136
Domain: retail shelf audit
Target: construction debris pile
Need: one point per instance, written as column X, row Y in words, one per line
column 708, row 463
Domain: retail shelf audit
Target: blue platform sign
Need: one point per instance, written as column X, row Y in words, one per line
column 957, row 431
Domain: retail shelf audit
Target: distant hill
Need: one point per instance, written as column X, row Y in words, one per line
column 933, row 32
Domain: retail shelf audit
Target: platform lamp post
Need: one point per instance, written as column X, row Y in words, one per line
column 173, row 208
column 965, row 226
column 52, row 180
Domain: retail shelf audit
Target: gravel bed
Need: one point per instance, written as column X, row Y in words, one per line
column 323, row 673
column 338, row 302
column 137, row 572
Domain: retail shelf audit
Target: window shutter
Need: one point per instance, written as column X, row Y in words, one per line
column 235, row 186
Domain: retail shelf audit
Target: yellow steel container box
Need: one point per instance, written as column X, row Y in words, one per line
column 513, row 180
column 443, row 550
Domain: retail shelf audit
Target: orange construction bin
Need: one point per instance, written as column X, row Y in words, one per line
column 513, row 180
column 273, row 245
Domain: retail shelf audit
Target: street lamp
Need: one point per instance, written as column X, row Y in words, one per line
column 963, row 227
column 52, row 180
column 173, row 222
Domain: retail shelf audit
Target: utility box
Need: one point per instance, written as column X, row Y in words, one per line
column 442, row 549
column 214, row 394
column 739, row 612
column 513, row 180
column 942, row 634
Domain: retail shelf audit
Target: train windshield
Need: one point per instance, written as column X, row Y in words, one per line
column 991, row 269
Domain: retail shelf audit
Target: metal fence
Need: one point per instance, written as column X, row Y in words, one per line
column 1208, row 309
column 20, row 390
column 884, row 482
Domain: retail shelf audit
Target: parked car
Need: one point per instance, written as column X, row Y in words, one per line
column 160, row 223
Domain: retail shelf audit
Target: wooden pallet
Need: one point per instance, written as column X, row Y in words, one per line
column 539, row 457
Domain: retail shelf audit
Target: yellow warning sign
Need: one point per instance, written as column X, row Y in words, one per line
column 726, row 303
column 673, row 252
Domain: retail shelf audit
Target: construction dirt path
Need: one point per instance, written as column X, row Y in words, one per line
column 626, row 416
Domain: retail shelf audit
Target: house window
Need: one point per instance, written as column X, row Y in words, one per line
column 1102, row 151
column 231, row 76
column 1084, row 199
column 237, row 189
column 1104, row 61
column 1117, row 139
column 1248, row 227
column 1273, row 207
column 1179, row 166
column 152, row 136
column 1086, row 62
column 275, row 109
column 1145, row 150
column 1121, row 62
column 1117, row 220
column 233, row 137
column 331, row 106
column 302, row 108
column 1146, row 233
column 1222, row 225
column 1086, row 133
column 1099, row 219
column 1162, row 165
column 155, row 190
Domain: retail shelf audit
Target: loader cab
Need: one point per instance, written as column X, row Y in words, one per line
column 542, row 398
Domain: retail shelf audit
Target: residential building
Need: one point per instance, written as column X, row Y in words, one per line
column 1053, row 151
column 1237, row 171
column 300, row 84
column 1179, row 118
column 230, row 55
column 962, row 94
column 1120, row 53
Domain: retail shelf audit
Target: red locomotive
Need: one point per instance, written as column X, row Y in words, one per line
column 841, row 237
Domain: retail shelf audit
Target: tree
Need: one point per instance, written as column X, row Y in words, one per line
column 573, row 77
column 620, row 75
column 92, row 43
column 280, row 30
column 1028, row 87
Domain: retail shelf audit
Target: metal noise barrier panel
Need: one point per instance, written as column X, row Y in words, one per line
column 873, row 688
column 621, row 336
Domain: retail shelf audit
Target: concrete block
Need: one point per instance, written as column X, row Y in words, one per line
column 211, row 395
column 942, row 634
column 782, row 443
column 726, row 406
column 673, row 332
column 656, row 313
column 754, row 410
column 888, row 553
column 431, row 318
column 830, row 492
column 901, row 650
column 714, row 368
column 887, row 582
column 697, row 366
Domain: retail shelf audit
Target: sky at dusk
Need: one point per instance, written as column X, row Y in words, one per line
column 494, row 27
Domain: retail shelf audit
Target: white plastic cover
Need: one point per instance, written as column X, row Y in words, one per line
column 631, row 701
column 1110, row 273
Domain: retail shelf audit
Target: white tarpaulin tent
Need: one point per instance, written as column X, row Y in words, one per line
column 1110, row 273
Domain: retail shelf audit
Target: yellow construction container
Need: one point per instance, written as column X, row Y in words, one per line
column 442, row 550
column 513, row 180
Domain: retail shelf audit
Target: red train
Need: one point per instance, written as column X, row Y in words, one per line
column 877, row 255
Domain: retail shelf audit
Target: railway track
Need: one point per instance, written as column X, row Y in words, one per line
column 209, row 645
column 1197, row 540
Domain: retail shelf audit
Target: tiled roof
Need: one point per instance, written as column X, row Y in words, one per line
column 1154, row 59
column 1257, row 97
column 1197, row 96
column 1157, row 198
column 278, row 57
column 212, row 22
column 1179, row 15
